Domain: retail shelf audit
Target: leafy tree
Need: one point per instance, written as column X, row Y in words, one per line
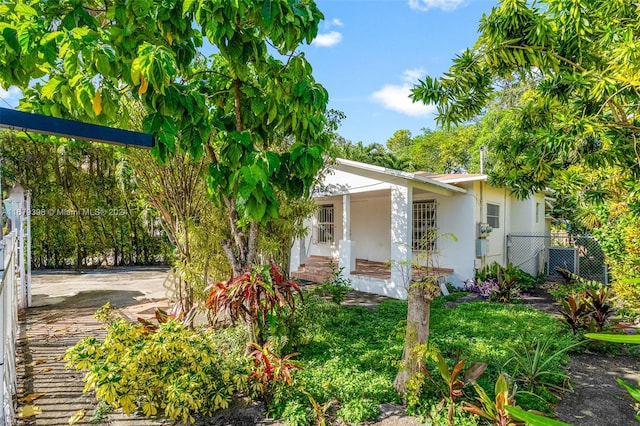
column 374, row 153
column 583, row 108
column 442, row 151
column 253, row 108
column 576, row 126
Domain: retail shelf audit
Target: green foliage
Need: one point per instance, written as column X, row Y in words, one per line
column 449, row 414
column 86, row 209
column 533, row 419
column 501, row 283
column 537, row 368
column 582, row 106
column 450, row 386
column 253, row 108
column 335, row 284
column 618, row 239
column 439, row 151
column 170, row 371
column 357, row 411
column 271, row 369
column 296, row 414
column 350, row 353
column 494, row 409
column 374, row 153
column 587, row 304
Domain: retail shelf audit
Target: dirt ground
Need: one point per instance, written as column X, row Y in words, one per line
column 596, row 400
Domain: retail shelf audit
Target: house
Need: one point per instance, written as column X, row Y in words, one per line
column 376, row 222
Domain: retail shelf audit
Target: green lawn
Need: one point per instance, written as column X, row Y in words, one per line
column 349, row 354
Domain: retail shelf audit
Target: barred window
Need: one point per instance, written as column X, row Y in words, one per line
column 493, row 215
column 325, row 225
column 424, row 225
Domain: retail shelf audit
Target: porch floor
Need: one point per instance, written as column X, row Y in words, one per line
column 317, row 268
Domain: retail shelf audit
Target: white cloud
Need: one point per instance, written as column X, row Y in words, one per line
column 396, row 98
column 412, row 75
column 445, row 5
column 335, row 22
column 327, row 39
column 13, row 92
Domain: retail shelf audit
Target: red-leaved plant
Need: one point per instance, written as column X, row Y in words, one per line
column 271, row 369
column 254, row 296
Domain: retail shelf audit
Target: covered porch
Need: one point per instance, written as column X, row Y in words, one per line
column 318, row 268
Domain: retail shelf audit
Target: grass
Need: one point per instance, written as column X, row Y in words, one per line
column 350, row 354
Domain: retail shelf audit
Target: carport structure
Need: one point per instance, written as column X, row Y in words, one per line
column 15, row 250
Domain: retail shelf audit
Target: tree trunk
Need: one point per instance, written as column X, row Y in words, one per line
column 418, row 311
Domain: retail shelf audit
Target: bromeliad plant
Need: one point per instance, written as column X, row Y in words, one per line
column 534, row 367
column 258, row 296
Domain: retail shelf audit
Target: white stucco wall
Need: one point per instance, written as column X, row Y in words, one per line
column 456, row 245
column 371, row 226
column 458, row 214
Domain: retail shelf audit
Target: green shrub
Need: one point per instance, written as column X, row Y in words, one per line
column 336, row 285
column 618, row 238
column 172, row 371
column 438, row 415
column 358, row 411
column 296, row 414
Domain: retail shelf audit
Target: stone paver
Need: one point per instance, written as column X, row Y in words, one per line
column 65, row 304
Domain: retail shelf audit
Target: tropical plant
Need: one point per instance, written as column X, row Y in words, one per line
column 440, row 414
column 170, row 370
column 533, row 419
column 451, row 386
column 259, row 296
column 581, row 108
column 575, row 311
column 599, row 299
column 498, row 283
column 535, row 367
column 319, row 410
column 494, row 409
column 271, row 369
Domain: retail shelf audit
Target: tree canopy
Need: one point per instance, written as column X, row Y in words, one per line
column 583, row 108
column 253, row 108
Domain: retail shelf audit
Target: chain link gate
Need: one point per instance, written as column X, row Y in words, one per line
column 542, row 254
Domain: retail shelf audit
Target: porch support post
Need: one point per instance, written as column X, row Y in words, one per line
column 401, row 254
column 296, row 255
column 347, row 260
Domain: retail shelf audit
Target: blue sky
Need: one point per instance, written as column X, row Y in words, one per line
column 369, row 53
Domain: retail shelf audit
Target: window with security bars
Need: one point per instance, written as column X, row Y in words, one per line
column 424, row 225
column 493, row 215
column 324, row 234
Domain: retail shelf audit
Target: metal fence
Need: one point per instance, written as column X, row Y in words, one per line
column 544, row 254
column 8, row 324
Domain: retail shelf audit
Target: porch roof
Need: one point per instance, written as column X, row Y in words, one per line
column 417, row 180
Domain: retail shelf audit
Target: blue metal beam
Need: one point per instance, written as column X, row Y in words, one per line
column 27, row 122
